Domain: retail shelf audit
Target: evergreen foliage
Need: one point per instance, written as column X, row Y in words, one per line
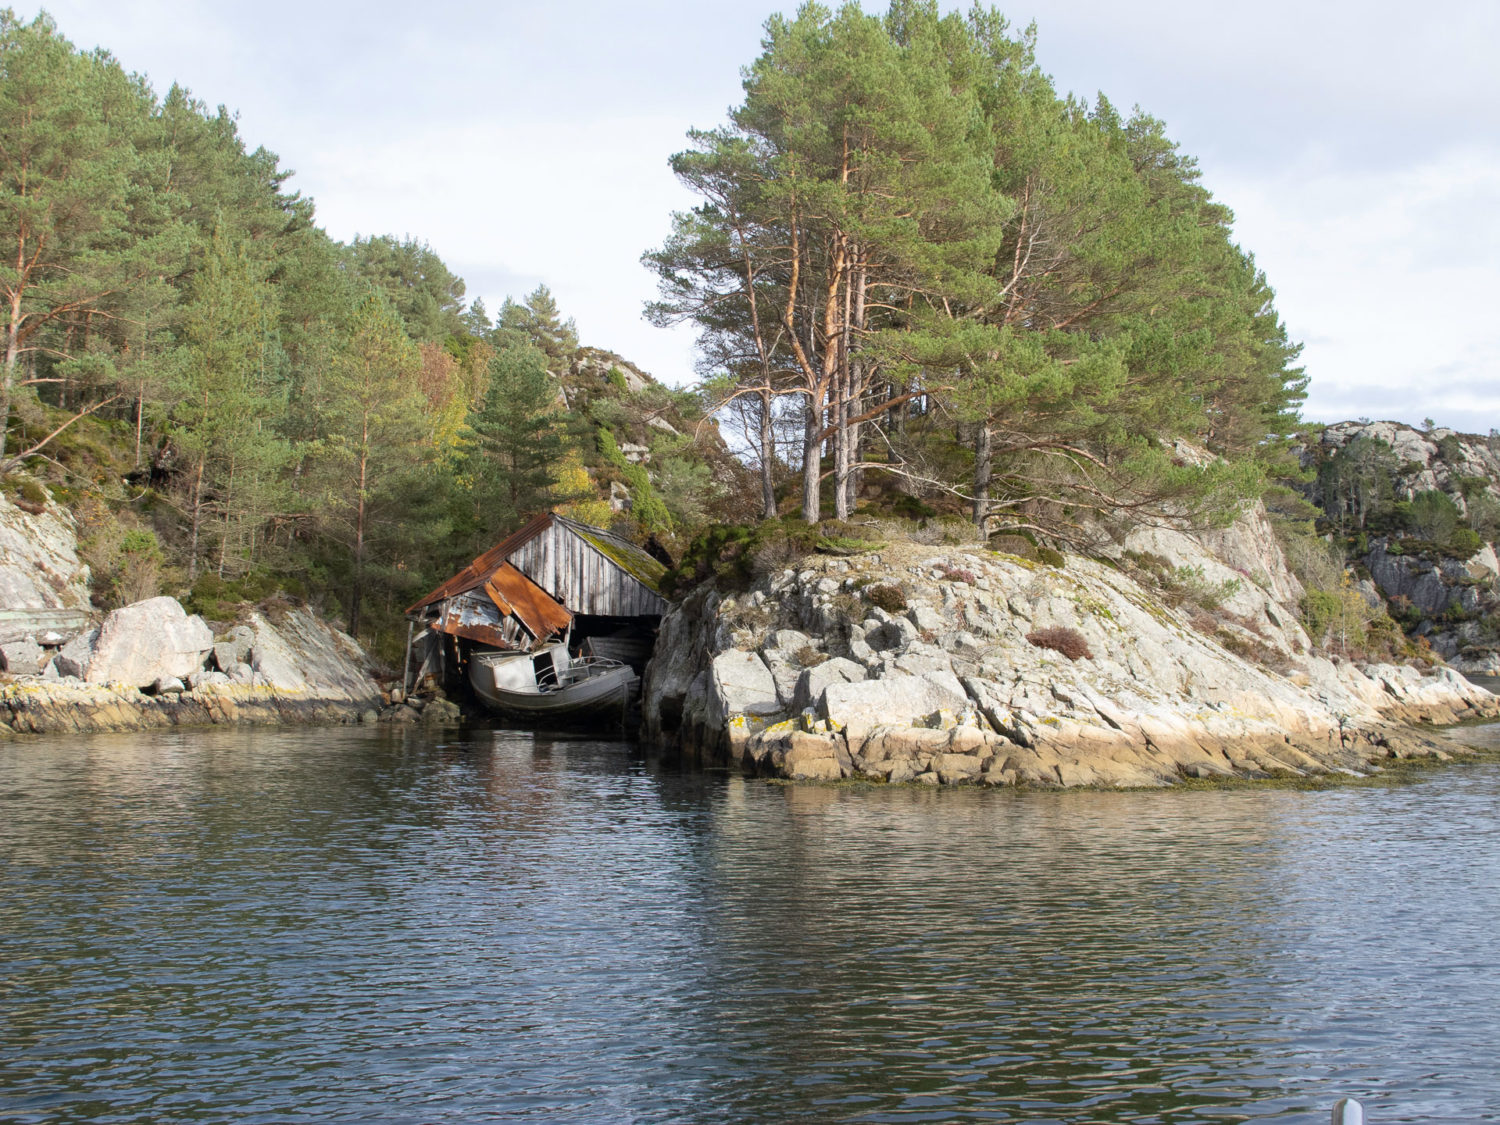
column 955, row 277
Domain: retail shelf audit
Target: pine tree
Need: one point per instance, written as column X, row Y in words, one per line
column 537, row 322
column 374, row 438
column 67, row 176
column 227, row 393
column 519, row 445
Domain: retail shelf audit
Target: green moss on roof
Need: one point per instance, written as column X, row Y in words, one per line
column 627, row 556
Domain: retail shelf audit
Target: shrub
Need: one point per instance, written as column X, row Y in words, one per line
column 1069, row 642
column 809, row 657
column 911, row 508
column 887, row 597
column 1432, row 515
column 839, row 537
column 955, row 574
column 28, row 495
column 1048, row 557
column 1464, row 542
column 734, row 555
column 1188, row 584
column 1018, row 545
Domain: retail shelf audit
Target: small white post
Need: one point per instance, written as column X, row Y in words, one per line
column 1347, row 1111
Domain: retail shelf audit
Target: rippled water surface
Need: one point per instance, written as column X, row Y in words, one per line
column 346, row 925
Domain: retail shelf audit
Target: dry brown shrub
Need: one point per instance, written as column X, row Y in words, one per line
column 809, row 657
column 887, row 597
column 1069, row 642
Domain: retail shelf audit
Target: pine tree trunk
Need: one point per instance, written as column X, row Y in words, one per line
column 841, row 450
column 812, row 461
column 197, row 520
column 767, row 458
column 12, row 353
column 856, row 390
column 359, row 535
column 983, row 467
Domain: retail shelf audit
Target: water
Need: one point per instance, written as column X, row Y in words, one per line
column 345, row 925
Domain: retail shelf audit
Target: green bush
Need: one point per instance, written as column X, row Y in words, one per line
column 734, row 555
column 1048, row 557
column 1431, row 515
column 219, row 599
column 1464, row 542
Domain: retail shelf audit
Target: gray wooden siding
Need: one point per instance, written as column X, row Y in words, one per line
column 582, row 578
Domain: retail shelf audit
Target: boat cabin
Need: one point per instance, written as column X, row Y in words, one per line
column 555, row 588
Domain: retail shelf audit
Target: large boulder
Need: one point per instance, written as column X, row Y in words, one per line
column 74, row 657
column 21, row 658
column 144, row 642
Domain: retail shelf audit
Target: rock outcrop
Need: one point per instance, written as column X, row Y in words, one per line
column 974, row 679
column 39, row 564
column 1444, row 593
column 151, row 665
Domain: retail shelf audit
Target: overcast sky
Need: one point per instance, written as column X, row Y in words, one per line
column 1356, row 142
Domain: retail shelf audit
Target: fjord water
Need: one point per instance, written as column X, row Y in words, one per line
column 356, row 925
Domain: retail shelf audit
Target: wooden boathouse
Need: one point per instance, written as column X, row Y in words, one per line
column 554, row 579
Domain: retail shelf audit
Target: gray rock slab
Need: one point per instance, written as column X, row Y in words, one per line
column 892, row 700
column 815, row 681
column 21, row 658
column 743, row 684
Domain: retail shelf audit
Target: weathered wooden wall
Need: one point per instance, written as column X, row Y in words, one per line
column 582, row 578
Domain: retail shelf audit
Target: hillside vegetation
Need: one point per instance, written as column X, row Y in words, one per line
column 235, row 404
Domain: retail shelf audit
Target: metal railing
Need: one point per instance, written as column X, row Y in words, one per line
column 579, row 669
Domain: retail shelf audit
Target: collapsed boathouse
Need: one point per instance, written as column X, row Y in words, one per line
column 555, row 580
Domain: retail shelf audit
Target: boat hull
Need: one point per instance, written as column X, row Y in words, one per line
column 604, row 696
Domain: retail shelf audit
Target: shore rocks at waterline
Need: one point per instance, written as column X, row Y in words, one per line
column 152, row 664
column 999, row 670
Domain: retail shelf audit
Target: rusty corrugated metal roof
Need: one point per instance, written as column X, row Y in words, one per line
column 519, row 596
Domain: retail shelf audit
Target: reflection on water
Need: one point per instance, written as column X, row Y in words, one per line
column 350, row 925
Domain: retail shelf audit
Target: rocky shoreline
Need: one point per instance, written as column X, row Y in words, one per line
column 963, row 665
column 152, row 665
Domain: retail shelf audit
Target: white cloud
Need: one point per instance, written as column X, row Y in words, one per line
column 1389, row 277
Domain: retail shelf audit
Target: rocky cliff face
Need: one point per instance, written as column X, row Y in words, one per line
column 39, row 564
column 964, row 665
column 1450, row 600
column 1425, row 459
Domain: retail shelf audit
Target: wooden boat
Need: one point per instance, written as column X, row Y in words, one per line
column 550, row 686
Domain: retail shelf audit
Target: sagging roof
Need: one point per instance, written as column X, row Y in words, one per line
column 605, row 575
column 515, row 594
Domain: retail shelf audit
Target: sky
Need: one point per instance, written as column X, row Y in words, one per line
column 1355, row 140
